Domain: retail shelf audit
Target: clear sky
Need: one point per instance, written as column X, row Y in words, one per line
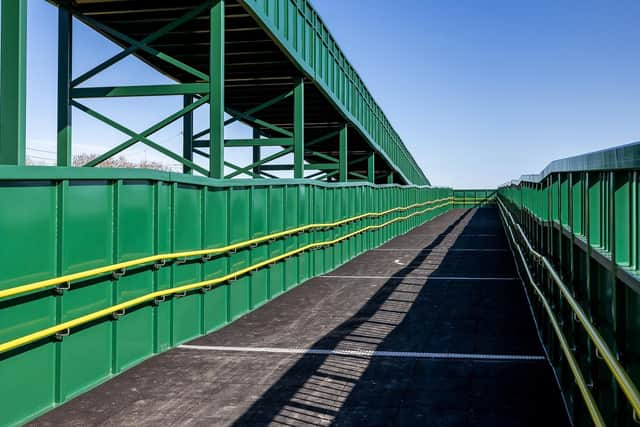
column 479, row 91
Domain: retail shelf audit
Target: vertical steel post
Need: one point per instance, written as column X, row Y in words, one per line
column 343, row 156
column 187, row 134
column 256, row 152
column 298, row 130
column 216, row 90
column 390, row 178
column 13, row 81
column 371, row 167
column 65, row 24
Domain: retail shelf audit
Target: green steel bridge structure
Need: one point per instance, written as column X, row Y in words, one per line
column 352, row 292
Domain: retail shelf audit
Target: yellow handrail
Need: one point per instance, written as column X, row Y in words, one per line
column 622, row 378
column 26, row 339
column 42, row 284
column 592, row 407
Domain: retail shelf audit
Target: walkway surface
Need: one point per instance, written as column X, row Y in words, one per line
column 433, row 329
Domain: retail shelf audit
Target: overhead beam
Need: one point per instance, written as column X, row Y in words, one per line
column 13, row 81
column 143, row 90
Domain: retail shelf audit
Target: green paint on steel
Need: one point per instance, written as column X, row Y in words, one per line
column 187, row 133
column 371, row 167
column 13, row 81
column 144, row 90
column 352, row 98
column 582, row 213
column 65, row 26
column 134, row 213
column 216, row 90
column 343, row 154
column 298, row 130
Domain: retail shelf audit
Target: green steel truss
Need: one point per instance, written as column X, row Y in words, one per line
column 353, row 113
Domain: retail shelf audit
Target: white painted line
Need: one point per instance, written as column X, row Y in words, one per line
column 438, row 250
column 510, row 279
column 456, row 235
column 366, row 353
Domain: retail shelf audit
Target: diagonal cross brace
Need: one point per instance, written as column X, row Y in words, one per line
column 143, row 45
column 143, row 136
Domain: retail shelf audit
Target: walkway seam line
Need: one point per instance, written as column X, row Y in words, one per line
column 368, row 353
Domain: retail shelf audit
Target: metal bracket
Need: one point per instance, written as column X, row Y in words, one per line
column 253, row 245
column 160, row 264
column 60, row 335
column 271, row 241
column 206, row 289
column 636, row 417
column 60, row 288
column 118, row 314
column 598, row 355
column 180, row 294
column 206, row 258
column 180, row 261
column 119, row 273
column 158, row 300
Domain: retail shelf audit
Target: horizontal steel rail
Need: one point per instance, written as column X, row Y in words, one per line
column 619, row 373
column 48, row 283
column 65, row 326
column 592, row 406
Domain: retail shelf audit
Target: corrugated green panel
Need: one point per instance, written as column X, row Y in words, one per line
column 259, row 227
column 216, row 235
column 135, row 210
column 276, row 223
column 239, row 230
column 622, row 218
column 577, row 203
column 87, row 211
column 303, row 218
column 28, row 228
column 163, row 277
column 291, row 221
column 187, row 313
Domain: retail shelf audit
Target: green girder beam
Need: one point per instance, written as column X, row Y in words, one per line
column 371, row 167
column 310, row 166
column 249, row 118
column 263, row 142
column 255, row 151
column 260, row 107
column 65, row 25
column 390, row 178
column 216, row 90
column 13, row 81
column 187, row 133
column 261, row 162
column 298, row 130
column 322, row 156
column 343, row 155
column 359, row 175
column 145, row 90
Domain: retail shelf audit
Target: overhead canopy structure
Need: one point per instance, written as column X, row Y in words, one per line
column 270, row 64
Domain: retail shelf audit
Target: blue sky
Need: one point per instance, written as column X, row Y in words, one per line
column 480, row 91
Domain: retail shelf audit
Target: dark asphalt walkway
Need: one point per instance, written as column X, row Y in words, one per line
column 447, row 289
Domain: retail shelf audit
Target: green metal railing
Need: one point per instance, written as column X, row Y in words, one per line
column 130, row 263
column 581, row 215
